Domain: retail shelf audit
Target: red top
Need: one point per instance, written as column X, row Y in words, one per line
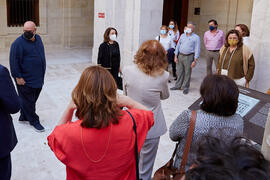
column 107, row 153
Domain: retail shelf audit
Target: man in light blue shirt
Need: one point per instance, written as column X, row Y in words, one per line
column 186, row 53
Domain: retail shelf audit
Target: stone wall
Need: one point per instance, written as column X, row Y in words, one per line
column 135, row 20
column 228, row 13
column 63, row 23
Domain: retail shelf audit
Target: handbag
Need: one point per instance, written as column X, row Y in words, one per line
column 168, row 172
column 136, row 146
column 119, row 81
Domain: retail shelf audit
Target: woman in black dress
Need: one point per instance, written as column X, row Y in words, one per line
column 109, row 54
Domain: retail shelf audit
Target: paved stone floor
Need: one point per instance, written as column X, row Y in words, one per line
column 32, row 158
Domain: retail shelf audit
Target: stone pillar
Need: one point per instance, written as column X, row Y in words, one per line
column 260, row 44
column 135, row 21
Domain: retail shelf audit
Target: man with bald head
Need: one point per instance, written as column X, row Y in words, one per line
column 186, row 53
column 28, row 65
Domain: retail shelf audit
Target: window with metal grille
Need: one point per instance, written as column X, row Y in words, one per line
column 20, row 11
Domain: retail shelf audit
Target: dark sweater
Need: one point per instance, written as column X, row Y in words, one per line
column 109, row 56
column 27, row 61
column 9, row 104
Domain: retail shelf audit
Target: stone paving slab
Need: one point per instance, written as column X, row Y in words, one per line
column 32, row 158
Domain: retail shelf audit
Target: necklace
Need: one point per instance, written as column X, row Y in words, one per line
column 106, row 149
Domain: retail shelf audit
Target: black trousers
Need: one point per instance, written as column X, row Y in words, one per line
column 5, row 167
column 28, row 99
column 170, row 56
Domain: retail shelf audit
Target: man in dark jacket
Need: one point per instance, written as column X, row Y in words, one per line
column 9, row 104
column 28, row 65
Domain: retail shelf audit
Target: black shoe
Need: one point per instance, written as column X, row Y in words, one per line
column 185, row 91
column 38, row 127
column 174, row 88
column 175, row 78
column 169, row 81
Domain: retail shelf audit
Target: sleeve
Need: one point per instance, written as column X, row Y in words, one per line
column 15, row 58
column 165, row 93
column 179, row 126
column 54, row 141
column 197, row 47
column 100, row 56
column 177, row 35
column 251, row 68
column 157, row 38
column 176, row 52
column 9, row 99
column 144, row 121
column 205, row 39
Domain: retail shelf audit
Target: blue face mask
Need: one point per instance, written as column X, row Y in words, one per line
column 171, row 26
column 211, row 28
column 163, row 31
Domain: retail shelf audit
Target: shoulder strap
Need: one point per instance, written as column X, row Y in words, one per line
column 159, row 38
column 188, row 141
column 136, row 146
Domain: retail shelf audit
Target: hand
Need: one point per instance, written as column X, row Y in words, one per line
column 123, row 101
column 193, row 64
column 175, row 59
column 72, row 106
column 20, row 81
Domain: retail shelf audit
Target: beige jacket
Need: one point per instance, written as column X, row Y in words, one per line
column 246, row 56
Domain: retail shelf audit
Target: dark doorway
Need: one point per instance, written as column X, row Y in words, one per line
column 177, row 10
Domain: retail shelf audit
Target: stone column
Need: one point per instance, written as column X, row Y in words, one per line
column 260, row 44
column 135, row 21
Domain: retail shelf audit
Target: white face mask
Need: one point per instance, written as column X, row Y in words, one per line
column 188, row 30
column 113, row 37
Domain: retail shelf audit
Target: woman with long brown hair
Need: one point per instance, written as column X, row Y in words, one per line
column 149, row 88
column 101, row 144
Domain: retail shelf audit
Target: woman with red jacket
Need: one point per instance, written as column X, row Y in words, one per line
column 101, row 144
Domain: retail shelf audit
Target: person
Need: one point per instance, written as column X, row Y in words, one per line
column 213, row 41
column 109, row 54
column 101, row 144
column 218, row 158
column 186, row 53
column 167, row 42
column 217, row 111
column 150, row 87
column 9, row 104
column 244, row 32
column 236, row 60
column 175, row 35
column 28, row 65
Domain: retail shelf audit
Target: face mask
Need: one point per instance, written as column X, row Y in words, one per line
column 232, row 42
column 171, row 26
column 113, row 37
column 211, row 28
column 188, row 30
column 163, row 31
column 28, row 35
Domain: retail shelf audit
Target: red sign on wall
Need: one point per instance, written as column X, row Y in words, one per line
column 101, row 15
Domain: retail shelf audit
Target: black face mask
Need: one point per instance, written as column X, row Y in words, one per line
column 28, row 35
